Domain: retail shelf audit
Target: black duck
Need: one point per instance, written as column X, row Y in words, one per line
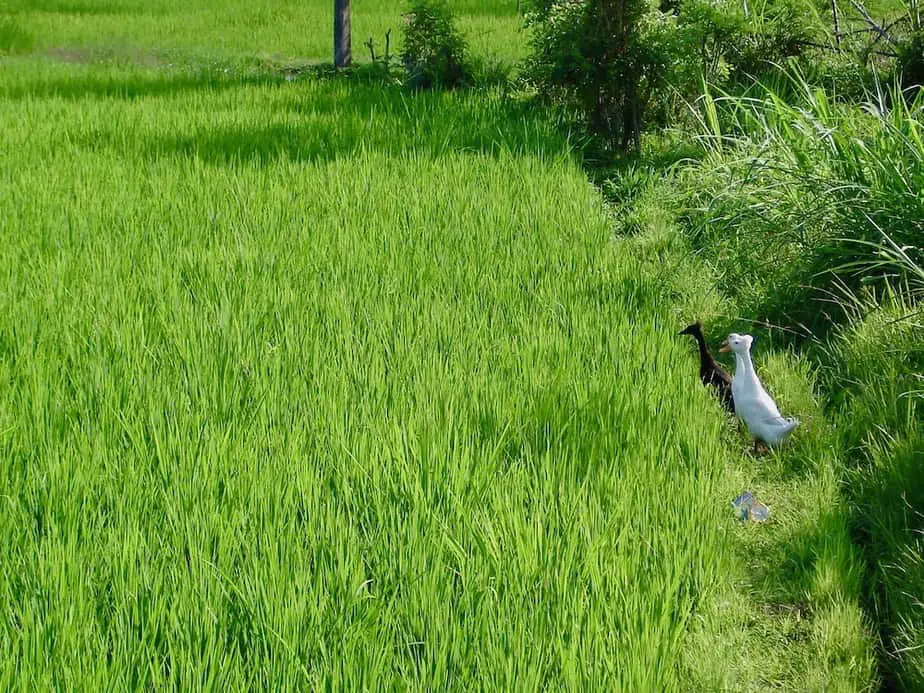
column 710, row 372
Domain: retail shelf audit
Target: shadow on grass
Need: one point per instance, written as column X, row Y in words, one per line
column 82, row 7
column 349, row 117
column 349, row 136
column 89, row 84
column 323, row 124
column 308, row 116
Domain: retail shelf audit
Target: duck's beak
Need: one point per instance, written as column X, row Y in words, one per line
column 725, row 348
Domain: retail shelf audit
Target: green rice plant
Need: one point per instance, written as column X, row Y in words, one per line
column 13, row 38
column 311, row 383
column 317, row 384
column 239, row 32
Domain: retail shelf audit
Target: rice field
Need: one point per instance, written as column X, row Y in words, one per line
column 198, row 31
column 312, row 384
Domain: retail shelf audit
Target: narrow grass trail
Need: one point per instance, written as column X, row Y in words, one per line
column 314, row 384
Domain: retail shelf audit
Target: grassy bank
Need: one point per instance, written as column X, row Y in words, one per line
column 805, row 217
column 784, row 613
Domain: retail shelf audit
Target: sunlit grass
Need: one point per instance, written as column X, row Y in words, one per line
column 171, row 31
column 308, row 383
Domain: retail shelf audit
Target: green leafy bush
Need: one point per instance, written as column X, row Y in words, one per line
column 732, row 42
column 435, row 54
column 621, row 64
column 597, row 57
column 911, row 61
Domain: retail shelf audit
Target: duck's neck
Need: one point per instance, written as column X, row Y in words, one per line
column 704, row 354
column 743, row 365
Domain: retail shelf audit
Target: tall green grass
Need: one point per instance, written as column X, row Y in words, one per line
column 796, row 197
column 876, row 366
column 313, row 384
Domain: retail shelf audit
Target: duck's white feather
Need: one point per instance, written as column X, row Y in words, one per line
column 755, row 407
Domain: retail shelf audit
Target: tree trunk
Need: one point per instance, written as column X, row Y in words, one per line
column 837, row 23
column 631, row 119
column 342, row 54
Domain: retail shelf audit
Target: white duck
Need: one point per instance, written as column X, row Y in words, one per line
column 752, row 403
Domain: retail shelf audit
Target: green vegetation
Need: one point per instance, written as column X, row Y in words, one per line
column 199, row 31
column 878, row 378
column 805, row 214
column 13, row 39
column 790, row 198
column 312, row 383
column 435, row 54
column 785, row 614
column 314, row 380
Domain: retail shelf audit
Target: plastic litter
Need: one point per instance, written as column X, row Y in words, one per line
column 747, row 507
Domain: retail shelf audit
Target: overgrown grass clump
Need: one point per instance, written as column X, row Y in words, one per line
column 877, row 374
column 13, row 38
column 316, row 384
column 795, row 197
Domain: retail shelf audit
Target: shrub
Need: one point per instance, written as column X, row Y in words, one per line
column 595, row 56
column 737, row 44
column 911, row 61
column 435, row 54
column 772, row 36
column 844, row 78
column 622, row 63
column 711, row 31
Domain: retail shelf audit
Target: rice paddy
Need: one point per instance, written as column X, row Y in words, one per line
column 316, row 383
column 203, row 31
column 306, row 384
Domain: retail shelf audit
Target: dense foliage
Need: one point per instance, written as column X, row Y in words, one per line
column 435, row 53
column 794, row 199
column 619, row 62
column 595, row 56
